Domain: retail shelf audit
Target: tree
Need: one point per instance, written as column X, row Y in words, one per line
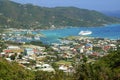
column 12, row 57
column 20, row 56
column 106, row 68
column 13, row 71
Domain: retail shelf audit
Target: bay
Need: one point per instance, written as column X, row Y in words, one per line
column 108, row 31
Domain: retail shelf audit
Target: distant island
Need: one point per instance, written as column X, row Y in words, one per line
column 15, row 15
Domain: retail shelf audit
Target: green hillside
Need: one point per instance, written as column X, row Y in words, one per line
column 29, row 16
column 13, row 71
column 107, row 68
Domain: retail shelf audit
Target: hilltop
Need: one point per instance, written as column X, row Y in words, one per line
column 17, row 15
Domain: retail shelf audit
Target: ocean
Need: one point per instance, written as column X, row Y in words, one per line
column 108, row 31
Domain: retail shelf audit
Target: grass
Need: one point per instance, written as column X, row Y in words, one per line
column 63, row 62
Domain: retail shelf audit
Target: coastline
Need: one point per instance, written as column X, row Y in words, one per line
column 67, row 27
column 53, row 35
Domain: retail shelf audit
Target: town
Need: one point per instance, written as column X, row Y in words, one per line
column 72, row 50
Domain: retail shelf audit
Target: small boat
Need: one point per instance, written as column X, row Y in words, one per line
column 37, row 37
column 85, row 32
column 28, row 38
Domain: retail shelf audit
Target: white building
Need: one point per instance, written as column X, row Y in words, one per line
column 29, row 51
column 13, row 47
column 44, row 67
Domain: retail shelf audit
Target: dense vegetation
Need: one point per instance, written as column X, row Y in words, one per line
column 107, row 68
column 13, row 71
column 29, row 16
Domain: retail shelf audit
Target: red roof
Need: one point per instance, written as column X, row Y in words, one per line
column 7, row 51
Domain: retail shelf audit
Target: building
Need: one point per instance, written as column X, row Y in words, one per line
column 29, row 51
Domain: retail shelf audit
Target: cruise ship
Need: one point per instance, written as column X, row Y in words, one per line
column 85, row 32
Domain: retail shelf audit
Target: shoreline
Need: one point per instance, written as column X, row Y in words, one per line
column 15, row 29
column 71, row 31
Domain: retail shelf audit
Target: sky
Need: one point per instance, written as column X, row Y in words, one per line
column 99, row 5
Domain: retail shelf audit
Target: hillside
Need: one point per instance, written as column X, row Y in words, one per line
column 29, row 16
column 13, row 71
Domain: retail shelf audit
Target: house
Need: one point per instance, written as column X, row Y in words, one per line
column 89, row 46
column 29, row 51
column 64, row 47
column 44, row 67
column 13, row 49
column 106, row 47
column 113, row 46
column 68, row 55
column 65, row 68
column 2, row 54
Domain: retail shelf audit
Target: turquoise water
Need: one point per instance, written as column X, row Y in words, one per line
column 109, row 31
